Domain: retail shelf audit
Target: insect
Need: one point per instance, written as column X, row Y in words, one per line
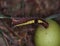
column 32, row 20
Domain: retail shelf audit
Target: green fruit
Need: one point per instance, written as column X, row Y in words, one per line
column 49, row 36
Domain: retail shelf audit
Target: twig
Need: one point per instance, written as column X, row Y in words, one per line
column 9, row 29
